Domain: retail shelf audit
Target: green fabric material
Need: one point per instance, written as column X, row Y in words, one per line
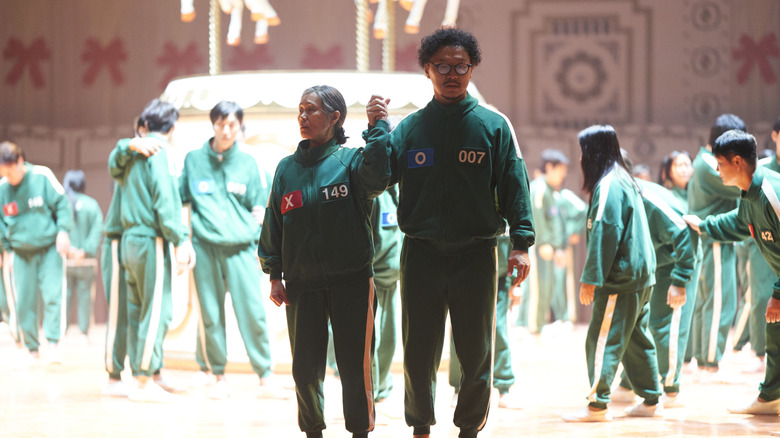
column 620, row 256
column 459, row 158
column 38, row 278
column 86, row 231
column 223, row 190
column 433, row 283
column 347, row 307
column 218, row 270
column 770, row 387
column 35, row 210
column 706, row 193
column 81, row 281
column 316, row 232
column 115, row 287
column 151, row 205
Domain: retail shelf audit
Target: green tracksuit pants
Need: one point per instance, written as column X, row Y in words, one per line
column 115, row 286
column 752, row 318
column 617, row 333
column 433, row 282
column 218, row 270
column 350, row 310
column 148, row 265
column 770, row 387
column 741, row 329
column 39, row 277
column 8, row 300
column 503, row 375
column 81, row 283
column 716, row 302
column 385, row 338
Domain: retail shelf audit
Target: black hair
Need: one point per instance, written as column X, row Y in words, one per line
column 332, row 100
column 225, row 108
column 664, row 173
column 554, row 157
column 776, row 126
column 159, row 116
column 600, row 153
column 449, row 37
column 74, row 183
column 10, row 153
column 723, row 123
column 736, row 142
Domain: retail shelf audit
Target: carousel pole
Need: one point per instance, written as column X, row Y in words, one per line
column 388, row 43
column 215, row 49
column 361, row 35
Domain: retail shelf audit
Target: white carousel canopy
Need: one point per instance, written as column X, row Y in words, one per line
column 274, row 89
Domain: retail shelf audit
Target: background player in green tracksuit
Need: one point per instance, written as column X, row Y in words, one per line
column 222, row 185
column 316, row 236
column 37, row 216
column 460, row 174
column 387, row 259
column 617, row 278
column 152, row 226
column 84, row 242
column 758, row 216
column 716, row 300
column 673, row 297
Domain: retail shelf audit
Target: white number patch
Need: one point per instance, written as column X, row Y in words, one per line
column 471, row 156
column 35, row 202
column 335, row 192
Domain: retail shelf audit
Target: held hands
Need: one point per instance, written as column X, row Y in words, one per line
column 518, row 259
column 63, row 243
column 693, row 221
column 586, row 293
column 185, row 257
column 773, row 310
column 278, row 293
column 675, row 297
column 376, row 109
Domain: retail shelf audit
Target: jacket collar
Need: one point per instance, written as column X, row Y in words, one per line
column 310, row 156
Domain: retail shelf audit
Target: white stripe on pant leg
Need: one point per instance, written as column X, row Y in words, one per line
column 113, row 307
column 717, row 298
column 674, row 336
column 533, row 292
column 202, row 333
column 367, row 352
column 741, row 324
column 64, row 300
column 10, row 294
column 156, row 307
column 601, row 344
column 492, row 341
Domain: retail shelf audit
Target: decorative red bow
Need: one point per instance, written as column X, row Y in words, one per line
column 99, row 57
column 753, row 54
column 26, row 56
column 179, row 62
column 254, row 59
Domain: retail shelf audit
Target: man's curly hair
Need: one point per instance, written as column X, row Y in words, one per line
column 430, row 44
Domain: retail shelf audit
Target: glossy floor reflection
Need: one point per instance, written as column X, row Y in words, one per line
column 65, row 401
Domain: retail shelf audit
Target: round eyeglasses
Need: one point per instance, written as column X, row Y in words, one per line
column 445, row 68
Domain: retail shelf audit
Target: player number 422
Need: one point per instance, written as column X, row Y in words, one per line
column 471, row 157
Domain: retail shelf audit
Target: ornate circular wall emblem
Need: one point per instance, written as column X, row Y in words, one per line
column 581, row 77
column 705, row 15
column 644, row 148
column 705, row 61
column 705, row 107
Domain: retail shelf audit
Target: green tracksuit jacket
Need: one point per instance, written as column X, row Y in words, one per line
column 758, row 216
column 85, row 235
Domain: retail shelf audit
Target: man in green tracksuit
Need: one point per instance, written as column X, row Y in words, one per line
column 222, row 185
column 674, row 294
column 84, row 243
column 37, row 216
column 716, row 299
column 460, row 174
column 758, row 216
column 387, row 253
column 152, row 226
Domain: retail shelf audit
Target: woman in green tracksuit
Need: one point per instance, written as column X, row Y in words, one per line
column 316, row 236
column 758, row 216
column 38, row 217
column 84, row 243
column 673, row 297
column 617, row 278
